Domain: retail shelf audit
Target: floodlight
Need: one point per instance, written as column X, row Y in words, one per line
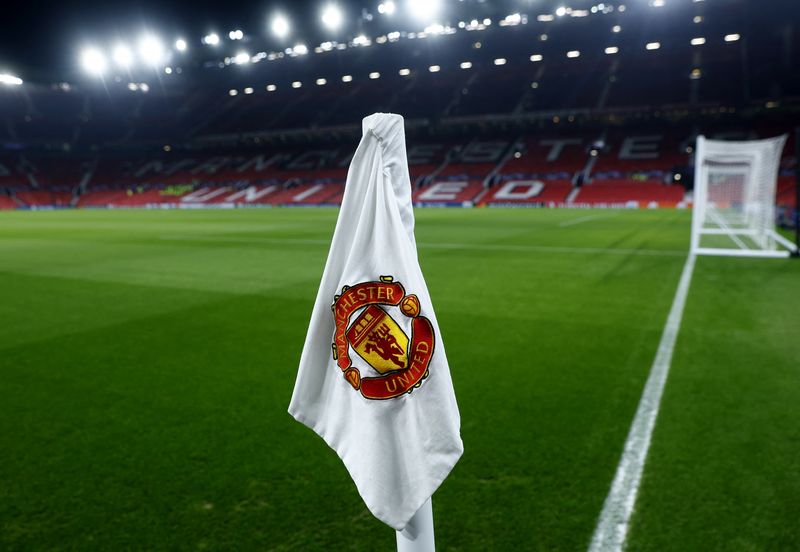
column 144, row 87
column 180, row 45
column 423, row 9
column 374, row 75
column 123, row 56
column 536, row 57
column 616, row 29
column 466, row 65
column 241, row 57
column 232, row 92
column 612, row 50
column 500, row 61
column 151, row 50
column 347, row 78
column 248, row 90
column 573, row 54
column 404, row 72
column 561, row 11
column 211, row 39
column 653, row 45
column 271, row 88
column 297, row 84
column 280, row 26
column 386, row 8
column 236, row 35
column 331, row 17
column 93, row 61
column 732, row 37
column 434, row 68
column 321, row 82
column 300, row 49
column 10, row 80
column 698, row 41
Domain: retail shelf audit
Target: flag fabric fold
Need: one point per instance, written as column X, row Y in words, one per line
column 373, row 380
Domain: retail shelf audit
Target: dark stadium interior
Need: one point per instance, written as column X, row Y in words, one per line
column 66, row 137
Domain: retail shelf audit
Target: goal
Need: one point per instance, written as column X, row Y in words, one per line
column 734, row 198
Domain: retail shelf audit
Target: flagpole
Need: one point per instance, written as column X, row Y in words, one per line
column 418, row 534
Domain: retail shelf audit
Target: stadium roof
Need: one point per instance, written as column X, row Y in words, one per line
column 49, row 42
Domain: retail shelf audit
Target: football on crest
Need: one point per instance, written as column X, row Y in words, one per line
column 410, row 305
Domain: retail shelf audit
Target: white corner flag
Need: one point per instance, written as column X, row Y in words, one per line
column 373, row 380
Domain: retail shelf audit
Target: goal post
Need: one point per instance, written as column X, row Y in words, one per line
column 735, row 188
column 796, row 216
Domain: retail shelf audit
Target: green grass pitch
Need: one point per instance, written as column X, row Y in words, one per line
column 147, row 359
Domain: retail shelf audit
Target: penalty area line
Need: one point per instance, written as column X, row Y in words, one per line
column 579, row 220
column 614, row 521
column 440, row 245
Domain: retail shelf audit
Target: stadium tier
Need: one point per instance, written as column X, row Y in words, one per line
column 599, row 167
column 527, row 111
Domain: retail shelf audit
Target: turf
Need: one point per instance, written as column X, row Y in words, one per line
column 147, row 359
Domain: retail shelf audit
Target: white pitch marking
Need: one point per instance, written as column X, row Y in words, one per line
column 572, row 222
column 612, row 526
column 466, row 246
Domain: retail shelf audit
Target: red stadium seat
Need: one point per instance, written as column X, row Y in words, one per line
column 623, row 192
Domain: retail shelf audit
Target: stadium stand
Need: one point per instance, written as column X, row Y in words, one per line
column 623, row 193
column 532, row 113
column 529, row 192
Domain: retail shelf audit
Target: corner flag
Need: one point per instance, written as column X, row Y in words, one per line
column 374, row 381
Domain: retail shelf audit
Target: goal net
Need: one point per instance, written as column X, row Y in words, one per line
column 734, row 198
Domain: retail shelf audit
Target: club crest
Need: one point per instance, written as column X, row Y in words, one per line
column 378, row 339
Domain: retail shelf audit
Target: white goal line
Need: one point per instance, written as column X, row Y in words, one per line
column 611, row 531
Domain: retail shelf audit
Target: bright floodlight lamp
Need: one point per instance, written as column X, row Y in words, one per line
column 212, row 39
column 151, row 50
column 423, row 9
column 180, row 45
column 10, row 80
column 386, row 8
column 93, row 61
column 123, row 56
column 332, row 17
column 280, row 26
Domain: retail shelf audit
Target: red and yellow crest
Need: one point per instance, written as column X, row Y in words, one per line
column 400, row 360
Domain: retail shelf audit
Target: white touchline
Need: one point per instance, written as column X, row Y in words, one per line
column 572, row 222
column 612, row 526
column 441, row 245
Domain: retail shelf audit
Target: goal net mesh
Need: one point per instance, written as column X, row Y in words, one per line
column 734, row 196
